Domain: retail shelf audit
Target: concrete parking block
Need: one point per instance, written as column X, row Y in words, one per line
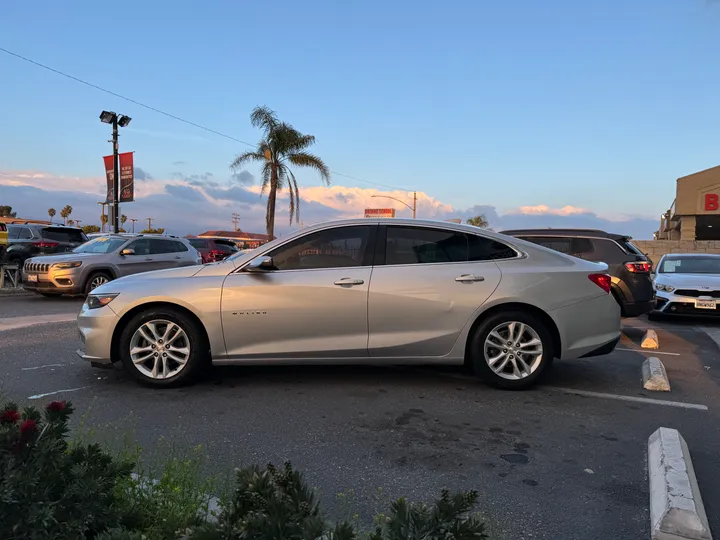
column 650, row 340
column 655, row 377
column 676, row 507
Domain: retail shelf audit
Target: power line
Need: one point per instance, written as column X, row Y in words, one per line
column 154, row 109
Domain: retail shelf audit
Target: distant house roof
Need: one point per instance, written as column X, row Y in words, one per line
column 19, row 220
column 235, row 235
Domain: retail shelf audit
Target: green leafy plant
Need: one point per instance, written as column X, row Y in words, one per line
column 49, row 489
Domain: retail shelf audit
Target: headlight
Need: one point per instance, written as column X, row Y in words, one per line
column 95, row 301
column 666, row 288
column 64, row 265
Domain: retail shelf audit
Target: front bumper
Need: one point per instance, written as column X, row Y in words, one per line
column 96, row 327
column 66, row 281
column 674, row 304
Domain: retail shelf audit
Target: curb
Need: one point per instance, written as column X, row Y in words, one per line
column 13, row 323
column 654, row 376
column 650, row 340
column 676, row 508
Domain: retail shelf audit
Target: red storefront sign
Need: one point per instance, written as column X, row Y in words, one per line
column 127, row 177
column 711, row 202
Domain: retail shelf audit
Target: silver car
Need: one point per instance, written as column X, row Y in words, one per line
column 687, row 284
column 360, row 291
column 103, row 259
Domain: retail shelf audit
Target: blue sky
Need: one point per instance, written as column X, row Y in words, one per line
column 595, row 105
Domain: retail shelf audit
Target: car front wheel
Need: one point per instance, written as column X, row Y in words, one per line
column 511, row 350
column 162, row 348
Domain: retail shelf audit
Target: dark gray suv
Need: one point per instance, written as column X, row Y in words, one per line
column 103, row 259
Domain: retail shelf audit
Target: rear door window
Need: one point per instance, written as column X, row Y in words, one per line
column 161, row 246
column 180, row 247
column 415, row 245
column 488, row 249
column 13, row 233
column 61, row 234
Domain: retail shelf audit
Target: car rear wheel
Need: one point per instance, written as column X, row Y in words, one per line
column 95, row 280
column 163, row 348
column 511, row 350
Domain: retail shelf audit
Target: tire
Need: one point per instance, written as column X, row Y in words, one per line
column 193, row 339
column 95, row 280
column 513, row 377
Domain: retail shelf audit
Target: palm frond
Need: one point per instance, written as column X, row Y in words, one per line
column 305, row 159
column 264, row 118
column 293, row 187
column 243, row 158
column 266, row 175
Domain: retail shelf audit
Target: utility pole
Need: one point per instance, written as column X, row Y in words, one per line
column 77, row 222
column 235, row 221
column 414, row 204
column 150, row 220
column 133, row 222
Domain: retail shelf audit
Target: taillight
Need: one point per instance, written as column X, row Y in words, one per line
column 216, row 254
column 601, row 280
column 45, row 245
column 638, row 267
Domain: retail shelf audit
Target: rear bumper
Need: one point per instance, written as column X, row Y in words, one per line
column 588, row 327
column 638, row 308
column 605, row 349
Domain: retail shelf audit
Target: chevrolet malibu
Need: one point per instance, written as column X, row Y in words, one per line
column 361, row 291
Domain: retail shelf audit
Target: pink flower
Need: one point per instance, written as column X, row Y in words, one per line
column 9, row 417
column 56, row 406
column 28, row 427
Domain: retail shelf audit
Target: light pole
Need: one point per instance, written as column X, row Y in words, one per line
column 133, row 222
column 109, row 117
column 413, row 207
column 102, row 215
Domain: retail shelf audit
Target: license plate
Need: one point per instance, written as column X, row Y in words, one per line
column 705, row 304
column 32, row 278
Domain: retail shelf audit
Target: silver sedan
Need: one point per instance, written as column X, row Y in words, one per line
column 360, row 291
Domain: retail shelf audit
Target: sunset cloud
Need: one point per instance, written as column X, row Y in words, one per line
column 543, row 209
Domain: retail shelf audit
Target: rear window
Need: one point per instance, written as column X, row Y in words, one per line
column 198, row 243
column 227, row 243
column 577, row 247
column 631, row 248
column 61, row 234
column 3, row 227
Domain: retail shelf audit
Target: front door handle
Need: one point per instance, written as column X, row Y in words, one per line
column 178, row 257
column 349, row 281
column 465, row 278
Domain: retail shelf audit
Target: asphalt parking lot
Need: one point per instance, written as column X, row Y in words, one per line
column 565, row 460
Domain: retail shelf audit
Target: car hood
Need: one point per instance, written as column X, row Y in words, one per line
column 64, row 257
column 690, row 281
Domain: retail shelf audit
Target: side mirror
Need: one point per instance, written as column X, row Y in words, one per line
column 260, row 264
column 127, row 251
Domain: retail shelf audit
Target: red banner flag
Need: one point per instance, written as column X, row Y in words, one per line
column 127, row 177
column 110, row 177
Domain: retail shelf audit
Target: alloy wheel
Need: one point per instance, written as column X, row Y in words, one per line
column 513, row 350
column 159, row 349
column 97, row 281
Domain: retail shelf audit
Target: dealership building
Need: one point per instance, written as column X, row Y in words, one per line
column 695, row 212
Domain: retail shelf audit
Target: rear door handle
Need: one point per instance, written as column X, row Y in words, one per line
column 349, row 281
column 178, row 257
column 469, row 278
column 149, row 259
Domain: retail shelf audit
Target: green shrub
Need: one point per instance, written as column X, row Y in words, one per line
column 48, row 489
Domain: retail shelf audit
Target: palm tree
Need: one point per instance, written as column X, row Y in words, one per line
column 281, row 146
column 123, row 219
column 51, row 213
column 65, row 212
column 478, row 221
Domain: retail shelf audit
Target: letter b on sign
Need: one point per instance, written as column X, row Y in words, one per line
column 711, row 201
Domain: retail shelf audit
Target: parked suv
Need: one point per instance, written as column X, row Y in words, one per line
column 213, row 249
column 630, row 269
column 32, row 239
column 103, row 259
column 3, row 241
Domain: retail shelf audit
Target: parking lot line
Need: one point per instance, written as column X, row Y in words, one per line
column 620, row 397
column 648, row 351
column 40, row 367
column 38, row 396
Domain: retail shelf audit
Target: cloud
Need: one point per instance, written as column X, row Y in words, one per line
column 543, row 209
column 244, row 178
column 210, row 204
column 141, row 174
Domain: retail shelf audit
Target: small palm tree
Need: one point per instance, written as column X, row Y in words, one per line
column 478, row 221
column 123, row 219
column 281, row 146
column 103, row 221
column 65, row 212
column 51, row 213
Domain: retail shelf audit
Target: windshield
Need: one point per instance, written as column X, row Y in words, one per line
column 690, row 265
column 103, row 244
column 238, row 254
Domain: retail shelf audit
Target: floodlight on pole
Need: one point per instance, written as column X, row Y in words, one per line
column 124, row 121
column 109, row 117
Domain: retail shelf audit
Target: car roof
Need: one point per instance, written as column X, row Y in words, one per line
column 588, row 233
column 691, row 255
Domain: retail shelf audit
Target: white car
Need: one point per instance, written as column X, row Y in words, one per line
column 687, row 284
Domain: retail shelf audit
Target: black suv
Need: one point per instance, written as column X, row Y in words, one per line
column 32, row 239
column 630, row 269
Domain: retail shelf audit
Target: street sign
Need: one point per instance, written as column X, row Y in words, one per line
column 379, row 212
